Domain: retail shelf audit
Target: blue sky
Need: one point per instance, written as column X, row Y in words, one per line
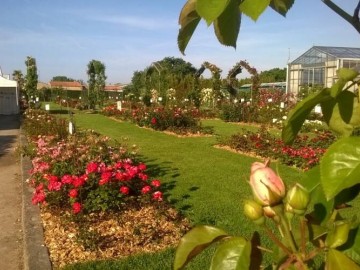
column 63, row 36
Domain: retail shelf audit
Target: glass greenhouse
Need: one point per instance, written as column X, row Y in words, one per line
column 317, row 67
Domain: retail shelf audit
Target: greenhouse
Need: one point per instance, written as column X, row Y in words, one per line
column 317, row 67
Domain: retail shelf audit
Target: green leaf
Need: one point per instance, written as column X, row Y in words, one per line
column 234, row 254
column 343, row 113
column 254, row 8
column 345, row 75
column 352, row 247
column 338, row 235
column 298, row 115
column 195, row 241
column 227, row 25
column 281, row 6
column 210, row 9
column 322, row 208
column 336, row 260
column 340, row 166
column 188, row 20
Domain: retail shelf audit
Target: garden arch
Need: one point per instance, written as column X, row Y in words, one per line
column 237, row 69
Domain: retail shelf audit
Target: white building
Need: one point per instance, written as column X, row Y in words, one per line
column 9, row 95
column 318, row 65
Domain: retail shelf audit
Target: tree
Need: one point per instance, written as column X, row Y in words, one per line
column 96, row 83
column 31, row 78
column 273, row 75
column 19, row 77
column 62, row 79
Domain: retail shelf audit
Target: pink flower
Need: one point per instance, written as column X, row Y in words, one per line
column 143, row 176
column 54, row 186
column 105, row 178
column 158, row 196
column 66, row 179
column 76, row 207
column 142, row 167
column 155, row 183
column 73, row 193
column 267, row 187
column 145, row 189
column 91, row 167
column 38, row 197
column 124, row 190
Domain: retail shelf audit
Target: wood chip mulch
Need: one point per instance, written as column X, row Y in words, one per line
column 100, row 236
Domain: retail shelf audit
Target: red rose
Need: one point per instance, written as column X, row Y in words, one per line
column 153, row 121
column 124, row 190
column 155, row 183
column 145, row 189
column 76, row 207
column 157, row 196
column 73, row 193
column 91, row 167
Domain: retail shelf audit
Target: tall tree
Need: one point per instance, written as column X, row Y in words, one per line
column 96, row 83
column 31, row 78
column 62, row 79
column 19, row 77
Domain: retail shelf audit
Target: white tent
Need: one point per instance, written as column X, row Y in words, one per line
column 9, row 96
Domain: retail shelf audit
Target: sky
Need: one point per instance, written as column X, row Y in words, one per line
column 65, row 35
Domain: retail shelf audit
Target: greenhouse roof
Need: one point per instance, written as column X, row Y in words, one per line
column 340, row 52
column 319, row 54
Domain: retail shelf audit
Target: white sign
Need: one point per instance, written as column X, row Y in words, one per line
column 71, row 128
column 318, row 109
column 118, row 104
column 47, row 107
column 270, row 100
column 282, row 105
column 242, row 100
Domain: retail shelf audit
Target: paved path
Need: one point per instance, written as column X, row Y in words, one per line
column 11, row 236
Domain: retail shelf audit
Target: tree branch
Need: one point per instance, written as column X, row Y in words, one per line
column 353, row 20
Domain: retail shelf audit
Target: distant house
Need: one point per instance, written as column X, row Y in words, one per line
column 9, row 95
column 318, row 65
column 70, row 86
column 114, row 90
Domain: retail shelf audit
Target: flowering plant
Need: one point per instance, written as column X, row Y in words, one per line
column 312, row 228
column 85, row 173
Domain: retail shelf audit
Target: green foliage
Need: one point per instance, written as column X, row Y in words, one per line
column 31, row 79
column 225, row 15
column 96, row 83
column 62, row 79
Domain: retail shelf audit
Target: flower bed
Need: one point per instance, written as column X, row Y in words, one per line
column 175, row 119
column 304, row 153
column 88, row 189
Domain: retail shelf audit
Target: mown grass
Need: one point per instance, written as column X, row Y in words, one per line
column 208, row 185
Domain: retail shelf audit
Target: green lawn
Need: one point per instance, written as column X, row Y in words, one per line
column 208, row 185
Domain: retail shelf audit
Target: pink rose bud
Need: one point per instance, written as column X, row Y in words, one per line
column 267, row 187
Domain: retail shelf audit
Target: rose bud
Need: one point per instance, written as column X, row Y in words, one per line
column 267, row 187
column 254, row 211
column 297, row 200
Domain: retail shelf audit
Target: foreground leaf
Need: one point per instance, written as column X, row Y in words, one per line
column 227, row 25
column 234, row 254
column 343, row 113
column 281, row 6
column 195, row 241
column 336, row 260
column 210, row 9
column 254, row 8
column 297, row 116
column 188, row 20
column 340, row 166
column 345, row 75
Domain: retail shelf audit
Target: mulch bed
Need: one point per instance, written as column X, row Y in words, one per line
column 136, row 229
